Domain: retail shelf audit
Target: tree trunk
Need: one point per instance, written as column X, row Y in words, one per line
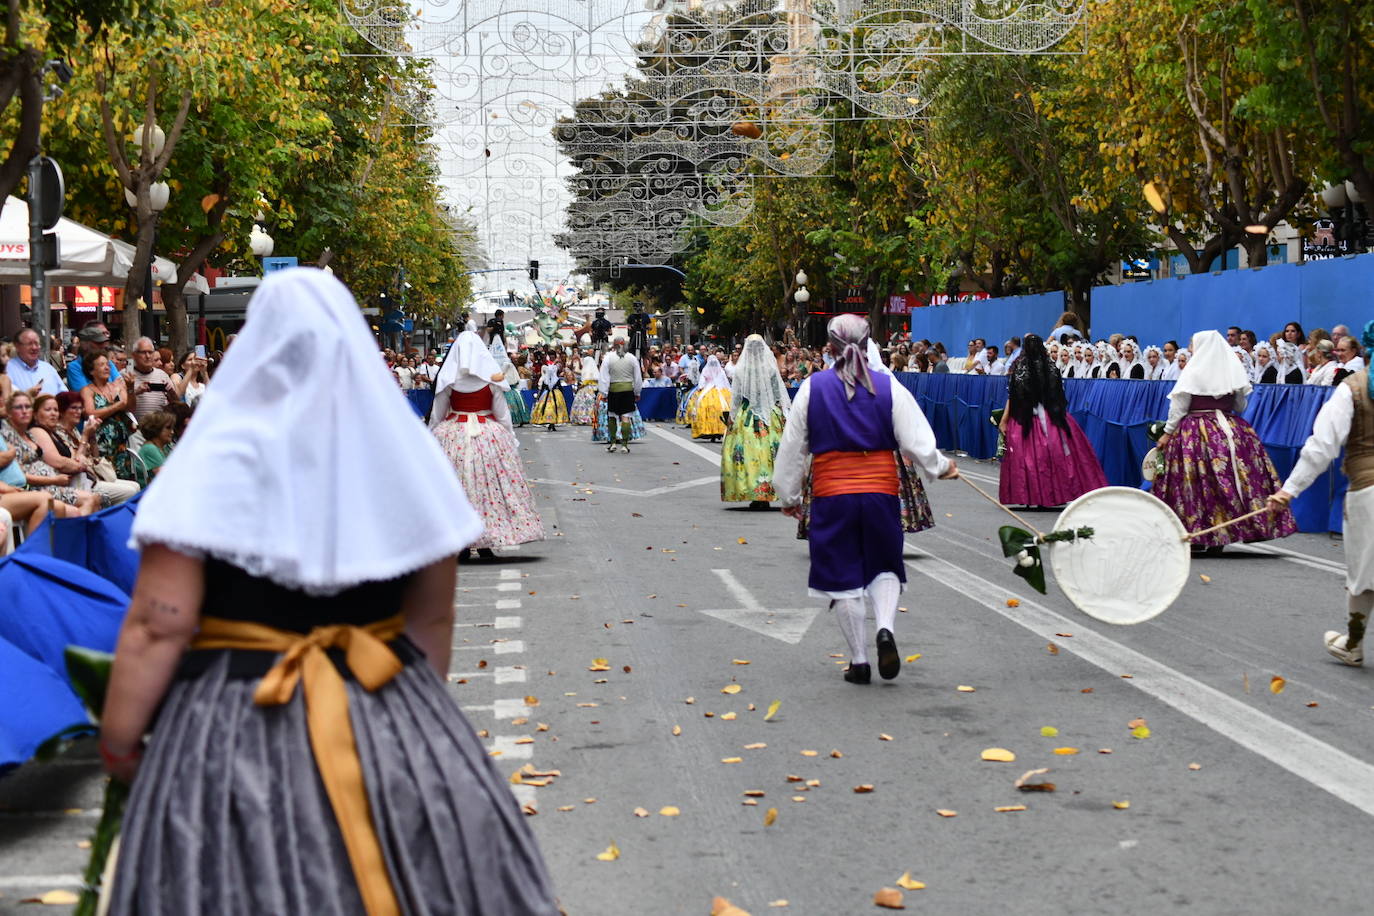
column 1080, row 301
column 1256, row 250
column 135, row 284
column 25, row 80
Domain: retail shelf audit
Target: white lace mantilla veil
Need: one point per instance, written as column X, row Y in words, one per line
column 713, row 376
column 758, row 380
column 299, row 417
column 1212, row 370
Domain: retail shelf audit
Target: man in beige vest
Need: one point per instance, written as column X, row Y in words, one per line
column 1346, row 420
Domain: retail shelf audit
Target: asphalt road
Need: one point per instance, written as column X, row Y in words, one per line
column 1240, row 800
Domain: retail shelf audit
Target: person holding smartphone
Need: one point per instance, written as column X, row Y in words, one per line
column 152, row 388
column 190, row 382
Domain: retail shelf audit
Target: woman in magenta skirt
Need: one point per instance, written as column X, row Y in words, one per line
column 1215, row 467
column 1048, row 460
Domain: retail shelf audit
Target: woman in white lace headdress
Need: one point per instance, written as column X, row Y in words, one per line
column 1290, row 364
column 759, row 402
column 710, row 402
column 1132, row 365
column 584, row 402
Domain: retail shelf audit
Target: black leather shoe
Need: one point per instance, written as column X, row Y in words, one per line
column 858, row 674
column 889, row 662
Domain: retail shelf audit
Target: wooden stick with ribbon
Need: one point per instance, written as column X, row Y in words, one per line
column 1235, row 521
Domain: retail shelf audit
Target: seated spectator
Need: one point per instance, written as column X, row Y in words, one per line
column 181, row 414
column 17, row 432
column 158, row 428
column 1348, row 353
column 59, row 418
column 1266, row 367
column 1322, row 364
column 93, row 338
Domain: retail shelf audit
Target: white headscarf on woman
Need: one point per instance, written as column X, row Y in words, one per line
column 1155, row 372
column 590, row 372
column 1127, row 363
column 1289, row 360
column 849, row 338
column 713, row 376
column 1212, row 370
column 467, row 367
column 301, row 412
column 758, row 380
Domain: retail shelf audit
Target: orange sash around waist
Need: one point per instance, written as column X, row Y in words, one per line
column 837, row 473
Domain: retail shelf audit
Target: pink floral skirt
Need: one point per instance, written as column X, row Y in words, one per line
column 493, row 477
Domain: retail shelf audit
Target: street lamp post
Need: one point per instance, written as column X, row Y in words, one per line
column 802, row 296
column 159, row 194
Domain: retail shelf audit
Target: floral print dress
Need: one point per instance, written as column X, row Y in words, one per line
column 747, row 455
column 112, row 439
column 31, row 460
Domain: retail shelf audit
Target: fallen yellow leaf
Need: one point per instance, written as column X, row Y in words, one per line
column 731, row 689
column 889, row 898
column 1066, row 751
column 1048, row 731
column 54, row 898
column 777, row 903
column 1013, row 602
column 732, row 760
column 566, row 807
column 756, row 746
column 773, row 708
column 739, row 661
column 669, row 811
column 863, row 789
column 610, row 855
column 1276, row 684
column 908, row 883
column 770, row 816
column 964, row 688
column 729, row 716
column 998, row 755
column 677, row 730
column 1121, row 805
column 809, row 753
column 531, row 701
column 754, row 793
column 1140, row 731
column 946, row 812
column 1194, row 766
column 912, row 658
column 1205, row 578
column 741, row 541
column 883, row 736
column 722, row 907
column 641, row 812
column 1005, row 809
column 799, row 798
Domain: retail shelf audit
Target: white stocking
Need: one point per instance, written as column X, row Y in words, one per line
column 852, row 618
column 884, row 592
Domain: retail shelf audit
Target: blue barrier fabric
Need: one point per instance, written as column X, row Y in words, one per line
column 51, row 604
column 40, row 704
column 994, row 320
column 99, row 543
column 420, row 399
column 1114, row 413
column 1318, row 294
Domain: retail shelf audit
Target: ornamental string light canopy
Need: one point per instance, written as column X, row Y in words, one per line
column 536, row 101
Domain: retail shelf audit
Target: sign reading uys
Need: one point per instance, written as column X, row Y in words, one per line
column 14, row 251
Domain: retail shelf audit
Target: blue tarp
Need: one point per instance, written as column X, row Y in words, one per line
column 1114, row 413
column 99, row 543
column 994, row 320
column 1317, row 294
column 47, row 605
column 38, row 704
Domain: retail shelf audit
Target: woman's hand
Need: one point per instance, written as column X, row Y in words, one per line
column 1163, row 441
column 792, row 511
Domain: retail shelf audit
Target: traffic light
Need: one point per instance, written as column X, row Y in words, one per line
column 534, row 270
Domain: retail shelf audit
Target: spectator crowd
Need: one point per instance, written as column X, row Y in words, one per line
column 90, row 426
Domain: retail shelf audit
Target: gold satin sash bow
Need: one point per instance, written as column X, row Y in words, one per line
column 304, row 660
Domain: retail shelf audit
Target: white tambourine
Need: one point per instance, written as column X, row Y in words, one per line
column 1149, row 468
column 1136, row 563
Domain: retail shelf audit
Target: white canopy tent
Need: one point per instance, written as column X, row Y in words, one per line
column 89, row 258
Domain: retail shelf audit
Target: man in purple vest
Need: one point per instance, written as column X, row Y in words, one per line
column 853, row 422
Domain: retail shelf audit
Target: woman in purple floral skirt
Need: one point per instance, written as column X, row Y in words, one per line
column 1215, row 467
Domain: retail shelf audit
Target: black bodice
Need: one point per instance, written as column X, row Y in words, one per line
column 233, row 594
